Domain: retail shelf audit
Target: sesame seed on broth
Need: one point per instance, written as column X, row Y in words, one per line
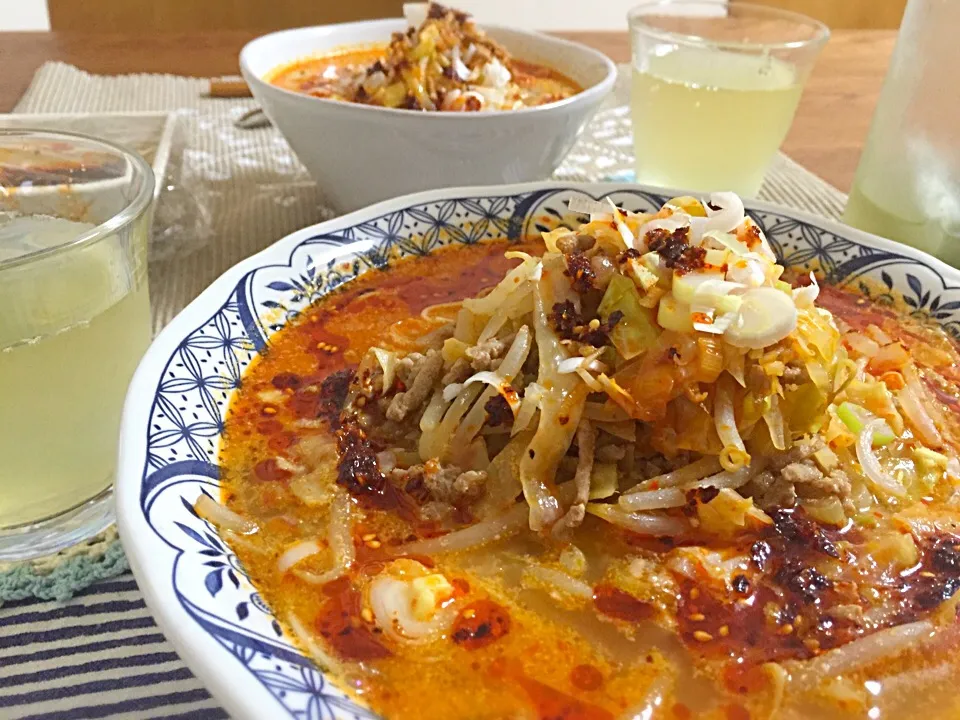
column 644, row 619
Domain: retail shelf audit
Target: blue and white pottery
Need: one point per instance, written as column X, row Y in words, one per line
column 175, row 408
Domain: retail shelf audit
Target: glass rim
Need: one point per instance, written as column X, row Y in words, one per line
column 112, row 225
column 821, row 33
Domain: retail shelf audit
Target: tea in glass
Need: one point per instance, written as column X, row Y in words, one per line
column 74, row 219
column 714, row 90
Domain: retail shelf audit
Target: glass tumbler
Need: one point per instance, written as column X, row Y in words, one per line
column 907, row 186
column 714, row 90
column 74, row 218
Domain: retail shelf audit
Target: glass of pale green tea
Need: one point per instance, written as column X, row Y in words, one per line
column 75, row 214
column 715, row 86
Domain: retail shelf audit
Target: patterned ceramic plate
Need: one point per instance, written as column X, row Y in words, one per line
column 174, row 414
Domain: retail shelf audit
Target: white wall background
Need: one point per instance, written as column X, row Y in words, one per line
column 24, row 15
column 534, row 14
column 550, row 14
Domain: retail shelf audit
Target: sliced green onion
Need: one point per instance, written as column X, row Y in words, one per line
column 856, row 417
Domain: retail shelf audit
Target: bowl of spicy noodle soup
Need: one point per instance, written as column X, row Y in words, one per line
column 363, row 152
column 221, row 413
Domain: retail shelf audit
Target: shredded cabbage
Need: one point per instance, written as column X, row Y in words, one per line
column 488, row 304
column 618, row 356
column 498, row 381
column 563, row 396
column 637, row 329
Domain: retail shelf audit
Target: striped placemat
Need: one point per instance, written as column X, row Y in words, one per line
column 98, row 655
column 228, row 194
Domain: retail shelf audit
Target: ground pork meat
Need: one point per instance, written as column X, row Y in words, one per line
column 611, row 453
column 487, row 355
column 420, row 379
column 572, row 519
column 771, row 489
column 800, row 451
column 800, row 472
column 407, row 366
column 650, row 467
column 440, row 335
column 758, row 382
column 795, row 375
column 455, row 487
column 435, row 483
column 386, row 432
column 458, row 372
column 833, row 484
column 435, row 512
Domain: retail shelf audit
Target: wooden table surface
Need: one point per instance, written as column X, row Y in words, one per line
column 826, row 137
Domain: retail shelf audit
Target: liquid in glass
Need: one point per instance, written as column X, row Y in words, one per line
column 715, row 87
column 75, row 214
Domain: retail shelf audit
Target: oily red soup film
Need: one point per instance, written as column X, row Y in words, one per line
column 515, row 649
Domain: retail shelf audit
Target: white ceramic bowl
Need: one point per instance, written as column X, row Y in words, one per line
column 175, row 409
column 360, row 154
